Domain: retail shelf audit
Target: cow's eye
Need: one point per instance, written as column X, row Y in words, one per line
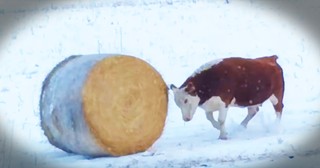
column 185, row 101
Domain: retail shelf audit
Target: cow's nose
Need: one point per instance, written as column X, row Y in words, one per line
column 187, row 119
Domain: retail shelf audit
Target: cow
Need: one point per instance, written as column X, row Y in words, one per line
column 231, row 82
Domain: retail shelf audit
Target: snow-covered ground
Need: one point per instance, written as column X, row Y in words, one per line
column 176, row 37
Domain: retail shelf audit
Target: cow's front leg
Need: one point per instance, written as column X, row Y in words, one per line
column 210, row 117
column 221, row 119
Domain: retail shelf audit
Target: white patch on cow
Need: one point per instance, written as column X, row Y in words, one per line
column 233, row 101
column 273, row 99
column 213, row 104
column 278, row 114
column 206, row 66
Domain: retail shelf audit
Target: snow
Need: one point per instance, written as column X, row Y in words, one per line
column 175, row 37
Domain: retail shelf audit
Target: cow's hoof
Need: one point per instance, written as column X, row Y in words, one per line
column 244, row 126
column 223, row 137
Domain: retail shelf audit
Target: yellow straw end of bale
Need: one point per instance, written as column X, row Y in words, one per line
column 124, row 104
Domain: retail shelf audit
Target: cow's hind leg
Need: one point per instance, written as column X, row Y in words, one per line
column 276, row 100
column 277, row 97
column 252, row 111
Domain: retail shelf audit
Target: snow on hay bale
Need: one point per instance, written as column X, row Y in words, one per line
column 100, row 105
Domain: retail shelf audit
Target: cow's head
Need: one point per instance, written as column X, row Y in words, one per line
column 186, row 99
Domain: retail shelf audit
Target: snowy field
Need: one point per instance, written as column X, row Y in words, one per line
column 175, row 37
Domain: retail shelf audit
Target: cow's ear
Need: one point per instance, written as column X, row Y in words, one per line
column 191, row 89
column 172, row 86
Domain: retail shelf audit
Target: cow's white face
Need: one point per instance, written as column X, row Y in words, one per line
column 185, row 101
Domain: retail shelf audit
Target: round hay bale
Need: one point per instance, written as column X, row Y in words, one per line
column 98, row 105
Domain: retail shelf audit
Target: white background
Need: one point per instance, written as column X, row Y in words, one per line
column 176, row 38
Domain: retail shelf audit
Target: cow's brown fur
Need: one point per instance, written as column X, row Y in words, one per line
column 249, row 81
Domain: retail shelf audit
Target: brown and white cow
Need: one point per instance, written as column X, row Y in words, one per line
column 228, row 82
